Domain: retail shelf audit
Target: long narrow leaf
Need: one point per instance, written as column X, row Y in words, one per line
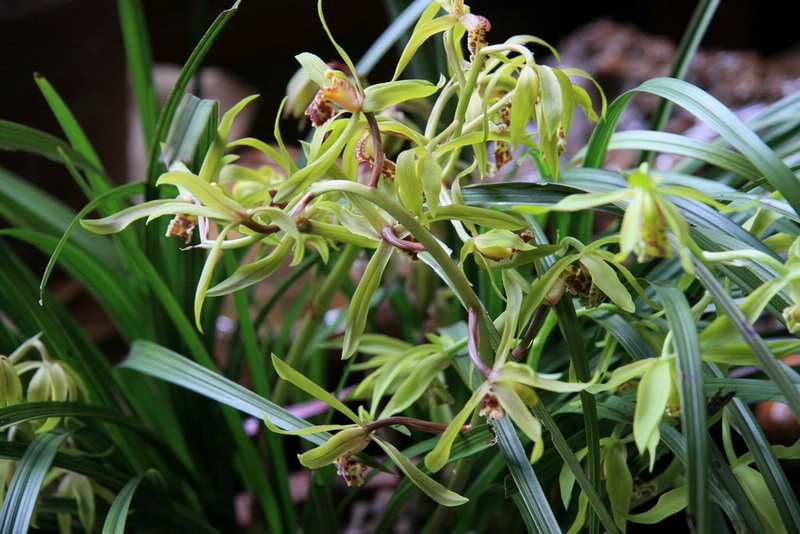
column 185, row 76
column 390, row 36
column 15, row 516
column 15, row 136
column 118, row 513
column 769, row 363
column 693, row 403
column 773, row 474
column 140, row 63
column 569, row 457
column 701, row 18
column 534, row 501
column 158, row 361
column 718, row 117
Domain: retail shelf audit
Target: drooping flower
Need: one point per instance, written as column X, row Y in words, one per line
column 351, row 439
column 339, row 91
column 507, row 391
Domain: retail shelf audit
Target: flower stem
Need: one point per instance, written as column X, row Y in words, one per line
column 411, row 422
column 377, row 149
column 473, row 342
column 387, row 232
column 533, row 329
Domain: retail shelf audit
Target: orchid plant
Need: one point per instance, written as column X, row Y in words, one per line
column 602, row 357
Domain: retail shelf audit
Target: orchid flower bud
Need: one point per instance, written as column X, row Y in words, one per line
column 79, row 488
column 346, row 442
column 791, row 316
column 10, row 386
column 497, row 244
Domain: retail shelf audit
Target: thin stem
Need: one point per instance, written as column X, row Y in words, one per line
column 301, row 205
column 411, row 422
column 494, row 108
column 261, row 228
column 473, row 341
column 530, row 332
column 438, row 108
column 377, row 149
column 413, row 247
column 459, row 283
column 466, row 91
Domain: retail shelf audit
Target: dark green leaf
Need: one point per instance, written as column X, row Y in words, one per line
column 20, row 500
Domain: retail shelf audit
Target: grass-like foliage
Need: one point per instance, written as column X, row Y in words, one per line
column 514, row 366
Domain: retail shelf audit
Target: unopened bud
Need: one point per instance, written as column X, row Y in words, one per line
column 10, row 386
column 499, row 244
column 346, row 442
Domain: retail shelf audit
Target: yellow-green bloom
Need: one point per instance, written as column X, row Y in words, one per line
column 353, row 438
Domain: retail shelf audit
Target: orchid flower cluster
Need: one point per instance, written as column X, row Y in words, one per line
column 380, row 176
column 27, row 379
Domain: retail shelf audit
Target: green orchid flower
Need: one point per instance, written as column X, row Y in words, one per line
column 351, row 439
column 507, row 390
column 649, row 216
column 721, row 340
column 52, row 380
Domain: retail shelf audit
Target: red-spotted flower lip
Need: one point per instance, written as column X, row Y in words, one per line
column 340, row 91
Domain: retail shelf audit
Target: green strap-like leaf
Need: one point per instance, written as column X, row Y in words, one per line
column 118, row 513
column 15, row 136
column 680, row 145
column 15, row 516
column 693, row 401
column 717, row 116
column 121, row 191
column 397, row 29
column 484, row 217
column 770, row 365
column 170, row 106
column 29, row 411
column 533, row 498
column 155, row 360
